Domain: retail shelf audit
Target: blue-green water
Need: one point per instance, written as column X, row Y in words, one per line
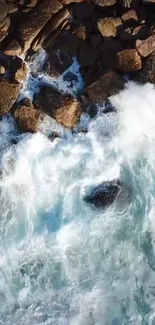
column 62, row 262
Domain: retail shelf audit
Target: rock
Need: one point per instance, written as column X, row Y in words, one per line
column 66, row 2
column 3, row 10
column 82, row 11
column 105, row 3
column 81, row 32
column 107, row 193
column 29, row 28
column 27, row 118
column 56, row 63
column 129, row 61
column 86, row 55
column 67, row 42
column 9, row 93
column 108, row 26
column 109, row 84
column 130, row 17
column 21, row 72
column 4, row 28
column 126, row 3
column 12, row 8
column 148, row 2
column 95, row 40
column 55, row 23
column 2, row 70
column 13, row 48
column 141, row 32
column 147, row 46
column 147, row 73
column 64, row 108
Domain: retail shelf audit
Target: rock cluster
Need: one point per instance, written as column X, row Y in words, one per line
column 110, row 38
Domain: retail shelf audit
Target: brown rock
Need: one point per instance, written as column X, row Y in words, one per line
column 9, row 93
column 147, row 46
column 109, row 84
column 108, row 26
column 13, row 48
column 66, row 2
column 12, row 8
column 53, row 24
column 147, row 73
column 4, row 28
column 28, row 118
column 129, row 61
column 130, row 17
column 56, row 63
column 64, row 108
column 21, row 73
column 29, row 28
column 3, row 10
column 81, row 32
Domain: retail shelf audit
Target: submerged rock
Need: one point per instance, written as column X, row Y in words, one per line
column 106, row 193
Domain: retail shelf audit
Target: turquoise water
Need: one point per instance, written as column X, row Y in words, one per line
column 62, row 262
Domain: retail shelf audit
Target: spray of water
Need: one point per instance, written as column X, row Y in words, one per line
column 62, row 262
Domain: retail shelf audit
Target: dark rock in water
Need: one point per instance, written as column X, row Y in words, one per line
column 147, row 73
column 57, row 63
column 106, row 193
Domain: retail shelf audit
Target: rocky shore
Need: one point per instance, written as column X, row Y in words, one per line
column 111, row 39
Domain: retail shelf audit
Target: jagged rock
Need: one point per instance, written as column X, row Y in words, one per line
column 106, row 193
column 55, row 23
column 9, row 93
column 64, row 108
column 13, row 48
column 29, row 28
column 147, row 73
column 109, row 84
column 108, row 26
column 130, row 17
column 56, row 63
column 27, row 117
column 129, row 61
column 147, row 46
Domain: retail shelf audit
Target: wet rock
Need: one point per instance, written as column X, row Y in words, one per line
column 27, row 118
column 130, row 17
column 9, row 93
column 147, row 73
column 106, row 193
column 64, row 108
column 129, row 60
column 109, row 84
column 108, row 26
column 29, row 28
column 147, row 46
column 56, row 63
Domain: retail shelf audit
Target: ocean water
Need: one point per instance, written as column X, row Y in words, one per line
column 61, row 261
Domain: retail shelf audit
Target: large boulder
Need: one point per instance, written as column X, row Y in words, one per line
column 106, row 193
column 27, row 117
column 108, row 26
column 147, row 46
column 64, row 108
column 109, row 84
column 129, row 61
column 9, row 92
